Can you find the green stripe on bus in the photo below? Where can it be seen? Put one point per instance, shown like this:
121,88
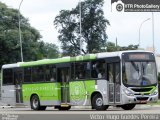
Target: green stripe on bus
58,60
151,91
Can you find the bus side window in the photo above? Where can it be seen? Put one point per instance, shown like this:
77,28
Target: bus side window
78,70
94,73
7,76
38,74
27,74
50,73
98,69
59,75
41,73
81,71
87,69
53,74
18,76
73,71
34,74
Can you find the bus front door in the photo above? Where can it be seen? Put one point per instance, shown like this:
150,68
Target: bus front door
114,82
63,77
18,75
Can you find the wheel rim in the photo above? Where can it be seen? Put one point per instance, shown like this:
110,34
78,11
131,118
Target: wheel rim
35,103
99,102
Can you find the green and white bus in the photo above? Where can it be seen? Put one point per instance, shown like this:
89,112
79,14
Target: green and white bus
122,79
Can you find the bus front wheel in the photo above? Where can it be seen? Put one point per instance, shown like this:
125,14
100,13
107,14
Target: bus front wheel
128,106
35,103
97,102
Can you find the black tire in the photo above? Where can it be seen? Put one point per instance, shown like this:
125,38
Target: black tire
35,103
97,102
128,106
63,108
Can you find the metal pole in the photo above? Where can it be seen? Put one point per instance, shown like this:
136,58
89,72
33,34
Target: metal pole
140,30
153,31
116,44
80,29
20,37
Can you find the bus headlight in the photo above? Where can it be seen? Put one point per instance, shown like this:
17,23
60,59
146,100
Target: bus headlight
154,92
128,92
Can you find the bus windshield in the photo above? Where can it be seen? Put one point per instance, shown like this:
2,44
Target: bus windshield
139,73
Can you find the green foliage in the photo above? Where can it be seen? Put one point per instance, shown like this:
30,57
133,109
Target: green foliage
93,32
67,25
111,47
9,39
130,47
49,51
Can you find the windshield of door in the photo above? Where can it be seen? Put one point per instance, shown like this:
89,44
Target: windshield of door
139,72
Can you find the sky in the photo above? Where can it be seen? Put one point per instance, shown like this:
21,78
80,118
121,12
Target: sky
123,25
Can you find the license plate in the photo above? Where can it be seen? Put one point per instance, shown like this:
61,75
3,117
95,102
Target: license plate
143,101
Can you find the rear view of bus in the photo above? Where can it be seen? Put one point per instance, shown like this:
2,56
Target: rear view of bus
139,79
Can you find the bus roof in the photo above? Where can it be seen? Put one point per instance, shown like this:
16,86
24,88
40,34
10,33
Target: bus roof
10,65
51,61
68,59
116,53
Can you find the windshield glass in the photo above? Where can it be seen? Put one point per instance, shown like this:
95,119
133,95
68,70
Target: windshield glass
139,73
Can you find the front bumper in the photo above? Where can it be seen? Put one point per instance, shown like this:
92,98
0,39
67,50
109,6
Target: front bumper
139,99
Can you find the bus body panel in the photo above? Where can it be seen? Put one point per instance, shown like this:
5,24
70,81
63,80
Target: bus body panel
80,92
102,87
8,94
48,93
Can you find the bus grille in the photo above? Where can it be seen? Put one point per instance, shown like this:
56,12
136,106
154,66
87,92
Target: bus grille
141,94
142,98
141,89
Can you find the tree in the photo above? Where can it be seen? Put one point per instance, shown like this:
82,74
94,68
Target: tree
66,24
111,47
49,51
9,38
130,47
93,26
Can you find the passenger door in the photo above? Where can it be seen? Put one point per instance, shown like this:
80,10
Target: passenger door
18,77
63,77
113,77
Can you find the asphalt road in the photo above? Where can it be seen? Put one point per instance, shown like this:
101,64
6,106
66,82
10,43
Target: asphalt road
140,112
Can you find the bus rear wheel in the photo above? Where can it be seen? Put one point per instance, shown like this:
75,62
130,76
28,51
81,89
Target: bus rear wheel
35,103
128,106
97,102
